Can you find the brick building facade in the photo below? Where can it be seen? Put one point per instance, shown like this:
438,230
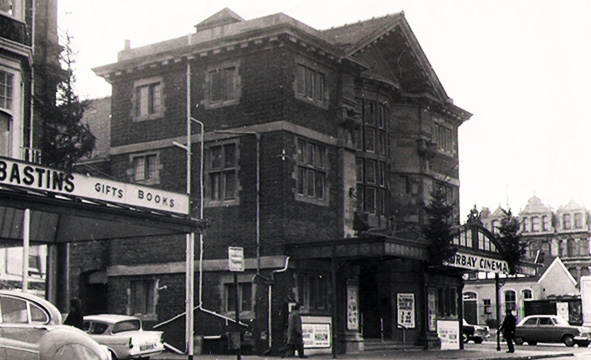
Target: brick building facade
320,149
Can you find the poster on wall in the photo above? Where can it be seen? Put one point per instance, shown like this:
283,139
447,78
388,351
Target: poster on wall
316,335
449,333
406,311
562,310
432,306
352,307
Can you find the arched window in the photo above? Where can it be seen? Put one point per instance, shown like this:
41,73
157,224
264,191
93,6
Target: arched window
510,299
470,295
527,294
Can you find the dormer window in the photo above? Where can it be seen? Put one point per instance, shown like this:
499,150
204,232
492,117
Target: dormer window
578,221
535,223
566,222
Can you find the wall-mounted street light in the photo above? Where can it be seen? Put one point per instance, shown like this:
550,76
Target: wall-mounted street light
258,187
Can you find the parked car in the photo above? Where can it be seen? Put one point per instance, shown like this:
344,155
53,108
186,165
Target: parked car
476,333
551,329
31,329
124,336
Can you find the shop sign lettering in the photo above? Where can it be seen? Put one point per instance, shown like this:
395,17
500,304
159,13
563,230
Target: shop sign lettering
35,177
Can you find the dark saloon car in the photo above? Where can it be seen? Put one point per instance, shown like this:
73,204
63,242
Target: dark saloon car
551,329
476,333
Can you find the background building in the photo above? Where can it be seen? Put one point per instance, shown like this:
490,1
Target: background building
28,47
558,241
320,149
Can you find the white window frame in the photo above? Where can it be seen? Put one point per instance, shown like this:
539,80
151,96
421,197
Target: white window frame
320,93
15,113
18,9
443,136
222,172
156,171
307,168
149,291
153,113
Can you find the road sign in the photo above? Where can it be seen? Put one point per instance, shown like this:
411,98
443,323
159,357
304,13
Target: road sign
236,258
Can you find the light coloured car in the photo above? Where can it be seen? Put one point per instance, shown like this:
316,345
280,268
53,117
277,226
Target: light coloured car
551,329
31,329
124,336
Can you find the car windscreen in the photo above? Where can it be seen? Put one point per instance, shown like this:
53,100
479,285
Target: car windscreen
127,325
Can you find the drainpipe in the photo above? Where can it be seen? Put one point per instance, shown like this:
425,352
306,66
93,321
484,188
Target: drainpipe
270,292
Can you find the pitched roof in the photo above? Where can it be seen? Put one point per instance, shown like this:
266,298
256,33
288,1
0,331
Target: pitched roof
222,17
351,35
535,206
571,206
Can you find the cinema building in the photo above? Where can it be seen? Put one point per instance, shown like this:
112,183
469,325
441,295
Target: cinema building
313,151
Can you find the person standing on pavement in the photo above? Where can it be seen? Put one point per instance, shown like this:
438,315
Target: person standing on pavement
75,317
508,329
295,340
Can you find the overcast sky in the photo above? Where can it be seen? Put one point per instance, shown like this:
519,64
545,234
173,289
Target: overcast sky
523,68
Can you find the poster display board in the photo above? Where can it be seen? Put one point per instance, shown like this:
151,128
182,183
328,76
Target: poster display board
316,332
352,308
406,310
449,333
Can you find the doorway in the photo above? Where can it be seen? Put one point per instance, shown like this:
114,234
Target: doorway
375,301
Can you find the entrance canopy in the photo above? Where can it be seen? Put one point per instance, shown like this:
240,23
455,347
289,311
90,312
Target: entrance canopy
73,207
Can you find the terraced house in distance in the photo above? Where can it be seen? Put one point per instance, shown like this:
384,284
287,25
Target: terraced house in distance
320,148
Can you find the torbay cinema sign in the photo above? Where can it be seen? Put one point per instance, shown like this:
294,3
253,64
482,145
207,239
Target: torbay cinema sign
477,263
34,177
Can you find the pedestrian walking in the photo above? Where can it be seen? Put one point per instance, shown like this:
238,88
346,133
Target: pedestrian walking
295,340
508,329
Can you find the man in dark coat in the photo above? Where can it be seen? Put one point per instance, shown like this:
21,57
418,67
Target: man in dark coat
295,340
508,329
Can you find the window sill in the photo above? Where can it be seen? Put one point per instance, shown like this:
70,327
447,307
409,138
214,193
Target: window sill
311,200
139,118
219,104
320,104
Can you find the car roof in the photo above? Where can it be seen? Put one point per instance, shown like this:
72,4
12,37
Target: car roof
110,318
54,313
541,316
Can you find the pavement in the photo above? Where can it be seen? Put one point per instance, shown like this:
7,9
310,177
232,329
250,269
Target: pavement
409,354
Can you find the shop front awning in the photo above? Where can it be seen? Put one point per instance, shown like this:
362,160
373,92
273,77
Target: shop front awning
62,220
70,207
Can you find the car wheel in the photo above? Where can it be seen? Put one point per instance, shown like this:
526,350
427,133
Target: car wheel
113,356
568,340
518,340
478,340
465,338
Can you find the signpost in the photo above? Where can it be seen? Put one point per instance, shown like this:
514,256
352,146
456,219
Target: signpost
236,264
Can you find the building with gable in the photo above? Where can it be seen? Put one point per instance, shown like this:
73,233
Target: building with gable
564,232
320,149
558,239
552,281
